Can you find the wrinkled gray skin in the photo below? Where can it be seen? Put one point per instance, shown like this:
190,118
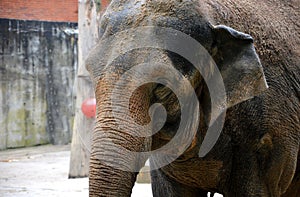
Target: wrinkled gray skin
256,154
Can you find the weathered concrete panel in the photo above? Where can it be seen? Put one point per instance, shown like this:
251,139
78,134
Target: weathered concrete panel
38,63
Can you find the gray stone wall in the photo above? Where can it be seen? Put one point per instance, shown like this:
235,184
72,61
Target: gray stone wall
38,64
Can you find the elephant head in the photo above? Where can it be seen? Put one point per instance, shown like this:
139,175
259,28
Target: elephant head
162,67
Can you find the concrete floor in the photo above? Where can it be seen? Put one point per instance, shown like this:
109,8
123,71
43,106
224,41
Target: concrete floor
43,171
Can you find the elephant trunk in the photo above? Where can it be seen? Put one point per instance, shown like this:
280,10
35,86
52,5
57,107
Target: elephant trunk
117,143
107,181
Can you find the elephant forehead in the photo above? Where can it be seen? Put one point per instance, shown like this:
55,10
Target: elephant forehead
180,15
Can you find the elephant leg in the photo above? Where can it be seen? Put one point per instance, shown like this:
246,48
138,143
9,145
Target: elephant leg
163,186
294,188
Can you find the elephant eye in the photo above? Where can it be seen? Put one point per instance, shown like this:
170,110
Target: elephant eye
266,140
265,144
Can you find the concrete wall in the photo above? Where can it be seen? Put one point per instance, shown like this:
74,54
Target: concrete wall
38,63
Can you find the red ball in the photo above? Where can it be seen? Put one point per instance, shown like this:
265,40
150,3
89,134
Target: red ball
88,107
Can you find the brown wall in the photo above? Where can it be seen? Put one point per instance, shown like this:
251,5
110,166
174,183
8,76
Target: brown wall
40,10
105,3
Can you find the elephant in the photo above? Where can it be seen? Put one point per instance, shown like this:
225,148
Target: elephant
155,102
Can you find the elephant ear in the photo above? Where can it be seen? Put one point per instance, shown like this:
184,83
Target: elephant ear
242,75
238,63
